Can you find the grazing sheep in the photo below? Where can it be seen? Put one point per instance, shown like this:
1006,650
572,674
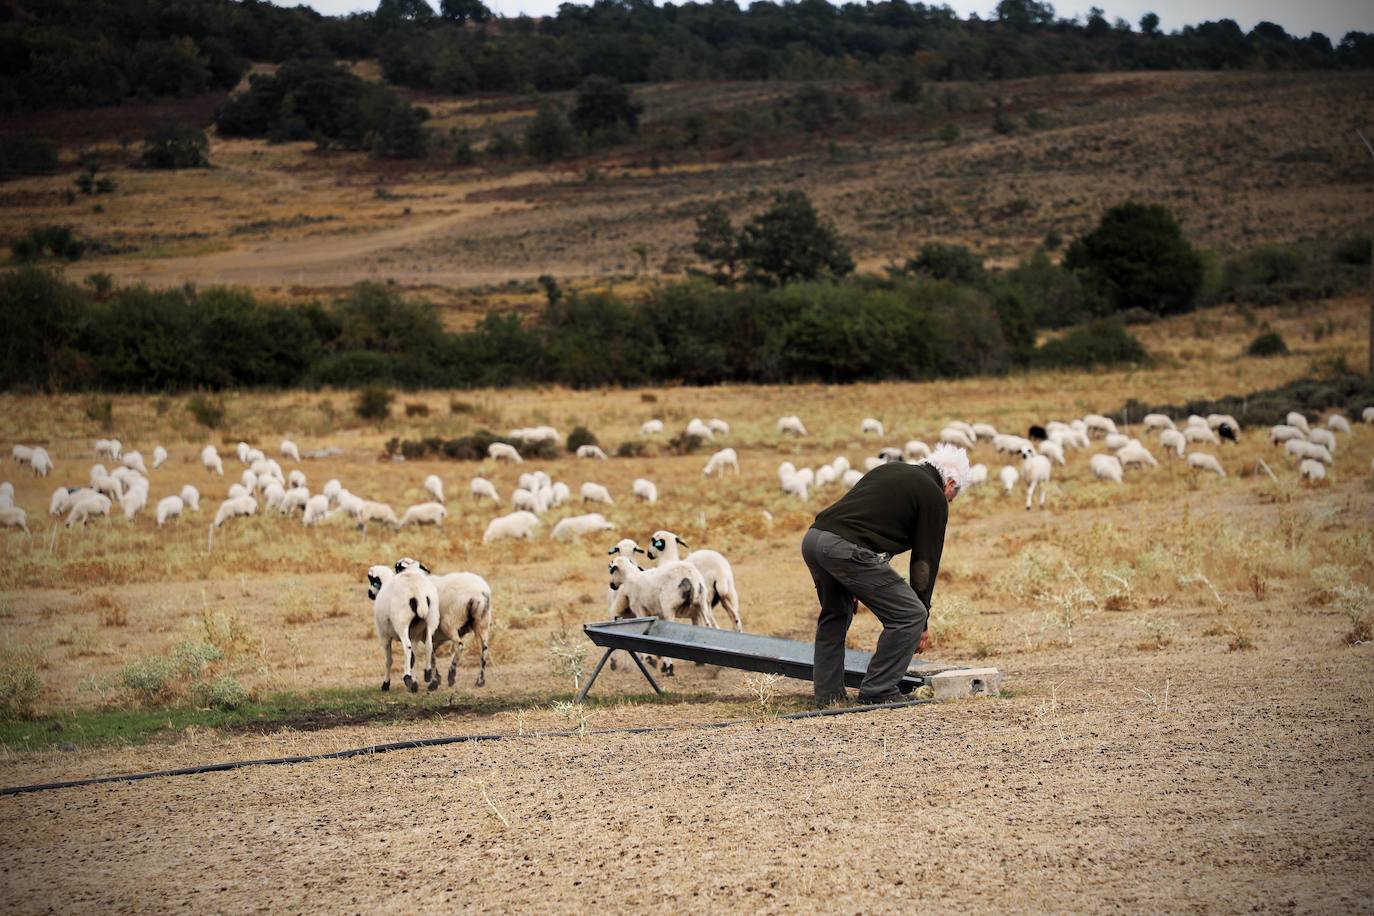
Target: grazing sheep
1338,423
235,507
977,475
88,504
159,456
1133,454
791,425
316,509
596,493
716,571
1312,471
796,485
464,607
825,475
331,490
1324,437
870,426
1205,462
40,462
984,431
58,505
12,516
1300,449
954,435
536,434
1173,440
272,494
1009,477
890,454
1367,415
1158,421
529,500
133,501
134,462
718,426
210,460
406,598
722,461
190,498
1194,433
108,448
849,478
288,450
242,450
1106,467
514,526
481,488
293,499
1284,433
1035,468
591,451
381,513
914,450
1096,423
169,507
1217,420
1052,449
237,489
501,451
1296,419
435,487
672,590
696,427
575,526
7,492
1113,441
646,490
296,479
651,427
424,514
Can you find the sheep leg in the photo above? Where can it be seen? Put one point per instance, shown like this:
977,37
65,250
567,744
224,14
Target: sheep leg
386,653
409,649
484,638
453,663
730,601
431,666
1042,496
1030,490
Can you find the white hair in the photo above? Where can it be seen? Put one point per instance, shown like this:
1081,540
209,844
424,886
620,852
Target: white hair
952,463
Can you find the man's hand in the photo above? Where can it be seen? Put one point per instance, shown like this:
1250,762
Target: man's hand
924,643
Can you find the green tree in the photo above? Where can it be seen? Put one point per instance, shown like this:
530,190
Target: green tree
717,244
790,241
549,136
1149,23
175,146
603,104
464,10
1138,258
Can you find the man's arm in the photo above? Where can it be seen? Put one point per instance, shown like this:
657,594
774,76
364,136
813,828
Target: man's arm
929,545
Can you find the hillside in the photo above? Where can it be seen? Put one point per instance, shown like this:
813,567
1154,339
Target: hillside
1241,158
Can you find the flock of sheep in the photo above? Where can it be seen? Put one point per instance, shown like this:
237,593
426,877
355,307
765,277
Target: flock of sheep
413,607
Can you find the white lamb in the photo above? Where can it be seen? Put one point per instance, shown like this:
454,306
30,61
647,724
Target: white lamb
559,493
1158,421
235,507
425,514
1284,433
1300,449
825,476
210,460
791,425
481,488
1036,470
159,456
89,504
331,490
169,507
1200,434
133,501
651,427
40,462
1205,462
435,487
873,461
377,512
840,464
1112,441
1173,440
464,607
668,591
288,450
108,448
272,494
596,493
134,461
403,600
1296,419
1367,415
575,526
1133,454
190,498
591,451
1338,423
11,516
1312,471
61,500
796,485
293,499
295,479
723,462
716,571
645,490
1010,477
316,509
982,431
1106,467
718,426
870,426
955,435
849,478
514,526
1218,420
1323,437
1096,423
501,451
696,427
914,450
1052,449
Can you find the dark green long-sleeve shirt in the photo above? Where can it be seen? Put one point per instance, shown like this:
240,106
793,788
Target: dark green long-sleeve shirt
894,508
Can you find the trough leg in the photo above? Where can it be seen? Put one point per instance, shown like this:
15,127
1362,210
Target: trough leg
645,670
582,694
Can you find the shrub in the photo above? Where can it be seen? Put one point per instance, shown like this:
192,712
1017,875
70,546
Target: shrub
1138,257
1102,343
207,412
19,687
1270,343
152,678
224,692
373,402
949,133
604,105
549,137
417,410
502,145
57,241
947,262
790,241
25,154
684,443
101,412
173,145
579,437
467,448
630,449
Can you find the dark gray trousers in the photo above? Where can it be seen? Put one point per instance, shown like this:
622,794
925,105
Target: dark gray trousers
844,572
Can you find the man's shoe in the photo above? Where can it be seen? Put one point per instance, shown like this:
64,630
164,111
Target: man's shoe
839,699
883,699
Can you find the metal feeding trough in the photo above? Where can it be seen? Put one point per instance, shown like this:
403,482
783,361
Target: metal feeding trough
746,651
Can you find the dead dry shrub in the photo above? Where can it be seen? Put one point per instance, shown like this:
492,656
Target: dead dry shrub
19,686
417,410
1158,633
110,611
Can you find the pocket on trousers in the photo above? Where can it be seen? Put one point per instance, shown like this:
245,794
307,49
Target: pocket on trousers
837,548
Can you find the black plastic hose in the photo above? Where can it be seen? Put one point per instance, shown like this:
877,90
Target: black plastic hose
429,742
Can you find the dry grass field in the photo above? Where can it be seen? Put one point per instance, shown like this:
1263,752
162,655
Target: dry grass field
1188,665
1240,158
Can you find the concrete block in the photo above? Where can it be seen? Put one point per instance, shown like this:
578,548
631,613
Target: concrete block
962,683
